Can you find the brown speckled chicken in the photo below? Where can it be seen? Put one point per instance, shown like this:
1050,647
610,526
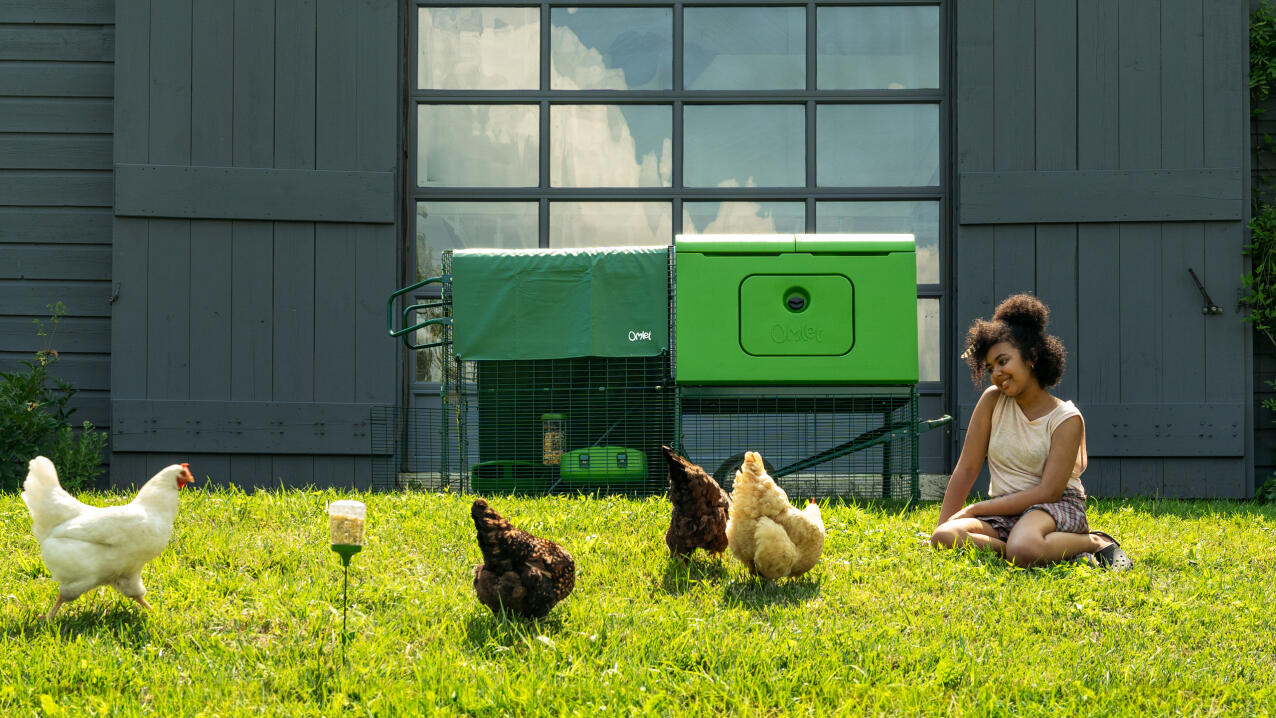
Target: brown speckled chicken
521,573
699,509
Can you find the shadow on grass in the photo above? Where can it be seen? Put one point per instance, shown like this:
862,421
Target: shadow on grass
681,576
125,625
486,629
754,593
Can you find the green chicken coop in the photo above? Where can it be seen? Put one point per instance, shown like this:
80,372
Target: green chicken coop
566,370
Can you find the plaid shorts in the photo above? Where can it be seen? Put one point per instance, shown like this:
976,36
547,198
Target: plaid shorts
1068,513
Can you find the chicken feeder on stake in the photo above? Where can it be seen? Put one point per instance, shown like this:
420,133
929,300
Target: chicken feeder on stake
345,531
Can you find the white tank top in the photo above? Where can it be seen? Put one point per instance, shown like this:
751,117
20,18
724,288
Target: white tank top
1017,447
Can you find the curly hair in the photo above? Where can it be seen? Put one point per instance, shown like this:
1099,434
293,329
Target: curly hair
1021,320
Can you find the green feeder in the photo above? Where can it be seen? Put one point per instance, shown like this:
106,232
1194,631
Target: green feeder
346,520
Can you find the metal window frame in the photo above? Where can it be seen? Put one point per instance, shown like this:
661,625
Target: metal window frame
677,98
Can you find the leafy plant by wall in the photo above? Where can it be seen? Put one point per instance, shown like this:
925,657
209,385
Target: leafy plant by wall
1259,302
35,420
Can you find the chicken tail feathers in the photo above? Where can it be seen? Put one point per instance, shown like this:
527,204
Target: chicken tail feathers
775,553
48,504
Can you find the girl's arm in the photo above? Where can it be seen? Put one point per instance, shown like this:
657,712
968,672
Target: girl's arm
973,452
1065,442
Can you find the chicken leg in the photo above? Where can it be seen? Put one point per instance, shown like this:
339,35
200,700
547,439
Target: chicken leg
53,611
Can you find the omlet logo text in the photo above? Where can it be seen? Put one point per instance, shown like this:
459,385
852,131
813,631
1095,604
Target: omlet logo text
781,334
639,336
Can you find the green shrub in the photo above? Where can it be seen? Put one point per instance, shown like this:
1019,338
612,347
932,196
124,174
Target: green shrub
35,421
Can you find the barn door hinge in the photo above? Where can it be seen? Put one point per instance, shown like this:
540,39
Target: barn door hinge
1210,307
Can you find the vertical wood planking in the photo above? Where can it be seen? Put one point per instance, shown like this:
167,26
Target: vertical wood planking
211,285
294,101
1056,149
132,80
1096,359
1139,84
212,87
336,127
379,67
337,253
1182,243
1014,80
1015,254
1057,286
294,245
252,329
973,250
374,279
1056,85
334,316
168,309
209,469
168,262
294,332
129,241
1014,118
1140,339
1225,129
254,89
334,471
1139,131
294,311
252,243
212,123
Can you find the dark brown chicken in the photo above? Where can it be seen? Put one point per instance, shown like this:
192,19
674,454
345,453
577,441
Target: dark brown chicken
523,574
699,509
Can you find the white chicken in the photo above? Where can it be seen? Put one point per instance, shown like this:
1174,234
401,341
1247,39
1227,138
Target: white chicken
86,546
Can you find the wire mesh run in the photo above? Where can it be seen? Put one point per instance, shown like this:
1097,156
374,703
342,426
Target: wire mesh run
862,445
587,424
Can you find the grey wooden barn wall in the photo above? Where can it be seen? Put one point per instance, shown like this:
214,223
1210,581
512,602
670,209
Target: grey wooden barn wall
55,188
254,237
1101,152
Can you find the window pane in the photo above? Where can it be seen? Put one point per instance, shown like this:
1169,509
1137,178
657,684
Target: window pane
744,48
928,339
460,225
610,224
877,145
877,48
921,219
743,217
610,145
744,146
478,145
611,48
428,362
478,48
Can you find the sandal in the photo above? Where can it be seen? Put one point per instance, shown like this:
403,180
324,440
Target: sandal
1111,556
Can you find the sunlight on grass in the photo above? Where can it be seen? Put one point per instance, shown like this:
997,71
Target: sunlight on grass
247,619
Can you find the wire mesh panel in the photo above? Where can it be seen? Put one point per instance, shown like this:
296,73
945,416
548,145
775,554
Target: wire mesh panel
815,445
409,449
592,424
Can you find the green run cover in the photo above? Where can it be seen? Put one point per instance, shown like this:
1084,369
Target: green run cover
560,303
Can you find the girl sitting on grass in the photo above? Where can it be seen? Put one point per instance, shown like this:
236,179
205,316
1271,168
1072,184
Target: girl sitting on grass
1035,446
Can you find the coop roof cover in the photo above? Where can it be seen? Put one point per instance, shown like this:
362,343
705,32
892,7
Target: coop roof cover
560,303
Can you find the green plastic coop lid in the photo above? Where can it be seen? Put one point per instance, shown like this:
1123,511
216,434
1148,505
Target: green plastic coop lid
854,243
734,243
560,303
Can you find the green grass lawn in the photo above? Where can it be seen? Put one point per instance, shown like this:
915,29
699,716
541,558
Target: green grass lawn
247,619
